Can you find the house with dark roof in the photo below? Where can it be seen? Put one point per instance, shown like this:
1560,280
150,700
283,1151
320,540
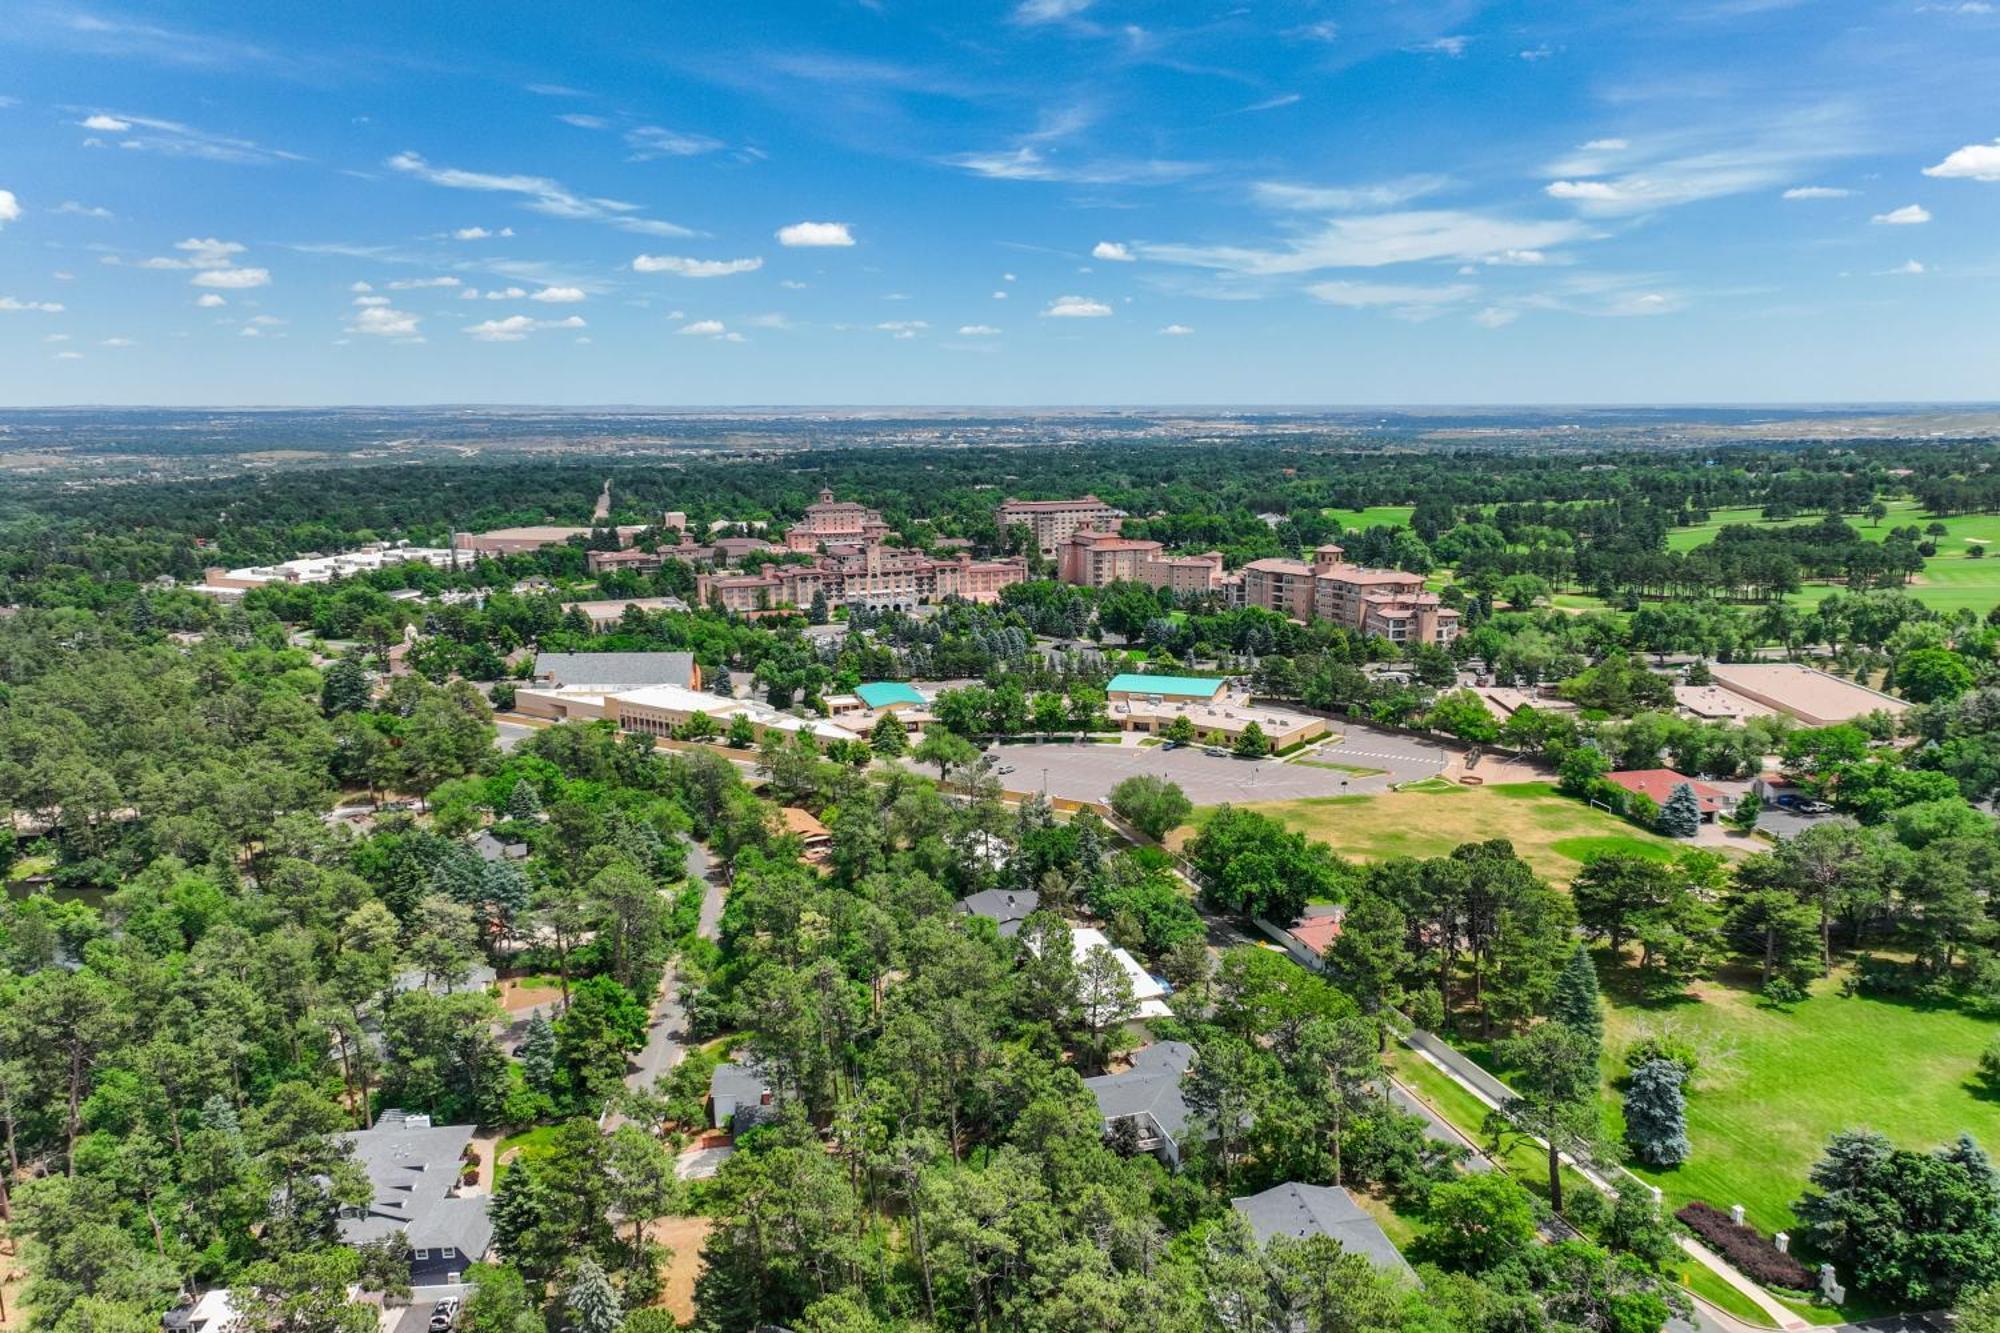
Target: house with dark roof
1304,1211
492,848
613,673
736,1094
1008,907
1148,1096
415,1168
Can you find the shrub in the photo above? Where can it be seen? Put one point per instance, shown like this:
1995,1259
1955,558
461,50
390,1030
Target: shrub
1664,1046
1744,1247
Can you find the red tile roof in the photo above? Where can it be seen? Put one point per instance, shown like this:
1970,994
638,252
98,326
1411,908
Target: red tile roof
1659,784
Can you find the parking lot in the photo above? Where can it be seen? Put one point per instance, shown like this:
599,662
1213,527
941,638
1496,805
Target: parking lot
1089,772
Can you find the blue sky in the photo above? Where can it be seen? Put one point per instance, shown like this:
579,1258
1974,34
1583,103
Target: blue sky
1027,202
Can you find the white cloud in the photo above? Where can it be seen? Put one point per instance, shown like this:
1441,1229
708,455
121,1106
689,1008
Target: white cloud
1909,215
362,287
1405,298
1516,259
145,134
694,268
372,300
55,337
999,296
117,342
10,207
46,307
1453,46
1176,331
209,301
268,321
69,356
1974,162
69,206
903,328
1049,11
1027,162
249,331
815,234
1494,317
651,141
1377,239
791,284
1607,145
558,295
1007,277
1076,307
1704,162
1343,199
232,279
383,322
507,294
977,331
702,327
1815,192
480,233
514,328
1908,267
419,284
583,122
202,252
1111,250
542,195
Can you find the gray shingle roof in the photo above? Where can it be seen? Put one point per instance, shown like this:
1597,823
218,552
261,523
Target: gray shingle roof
1152,1086
741,1081
1302,1211
624,669
414,1168
1007,906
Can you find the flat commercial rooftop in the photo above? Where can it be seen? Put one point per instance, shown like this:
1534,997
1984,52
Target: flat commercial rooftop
1187,687
1813,696
882,693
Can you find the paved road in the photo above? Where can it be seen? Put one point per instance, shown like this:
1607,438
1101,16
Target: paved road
511,734
668,1032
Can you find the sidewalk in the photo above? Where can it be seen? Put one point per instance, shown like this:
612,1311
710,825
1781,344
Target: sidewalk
1492,1092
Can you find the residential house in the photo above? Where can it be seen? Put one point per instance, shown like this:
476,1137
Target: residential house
1148,1096
1008,908
733,1088
1658,784
1303,1211
415,1168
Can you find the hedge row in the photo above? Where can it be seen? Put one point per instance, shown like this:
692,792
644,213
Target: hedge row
1749,1251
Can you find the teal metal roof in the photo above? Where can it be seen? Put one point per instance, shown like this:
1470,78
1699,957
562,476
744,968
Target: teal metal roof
1184,686
882,693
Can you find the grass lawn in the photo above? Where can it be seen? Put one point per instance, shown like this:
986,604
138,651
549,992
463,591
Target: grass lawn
1778,1083
536,1142
1355,770
1375,516
1552,832
30,866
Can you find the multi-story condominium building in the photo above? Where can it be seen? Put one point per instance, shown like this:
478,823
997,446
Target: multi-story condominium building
833,520
1093,559
1387,602
879,577
1053,522
1184,575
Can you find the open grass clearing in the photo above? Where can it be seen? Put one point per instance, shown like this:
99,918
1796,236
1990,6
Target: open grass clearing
1776,1083
529,1143
1375,516
1550,831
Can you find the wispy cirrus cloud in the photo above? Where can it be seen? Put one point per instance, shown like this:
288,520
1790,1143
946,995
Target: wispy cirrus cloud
171,138
1614,177
1378,239
1345,198
540,194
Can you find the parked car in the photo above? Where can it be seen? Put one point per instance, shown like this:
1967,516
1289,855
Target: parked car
1170,745
1004,769
444,1314
1814,808
1788,801
1215,750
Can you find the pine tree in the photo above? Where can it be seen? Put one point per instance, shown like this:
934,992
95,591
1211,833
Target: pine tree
720,683
1574,1002
1656,1114
1680,817
537,1054
818,613
591,1301
524,802
888,737
344,688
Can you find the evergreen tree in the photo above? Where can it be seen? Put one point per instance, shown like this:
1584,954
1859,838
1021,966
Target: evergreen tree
720,683
888,736
1574,1003
1252,743
344,688
591,1302
1656,1114
537,1054
524,802
1680,817
818,613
